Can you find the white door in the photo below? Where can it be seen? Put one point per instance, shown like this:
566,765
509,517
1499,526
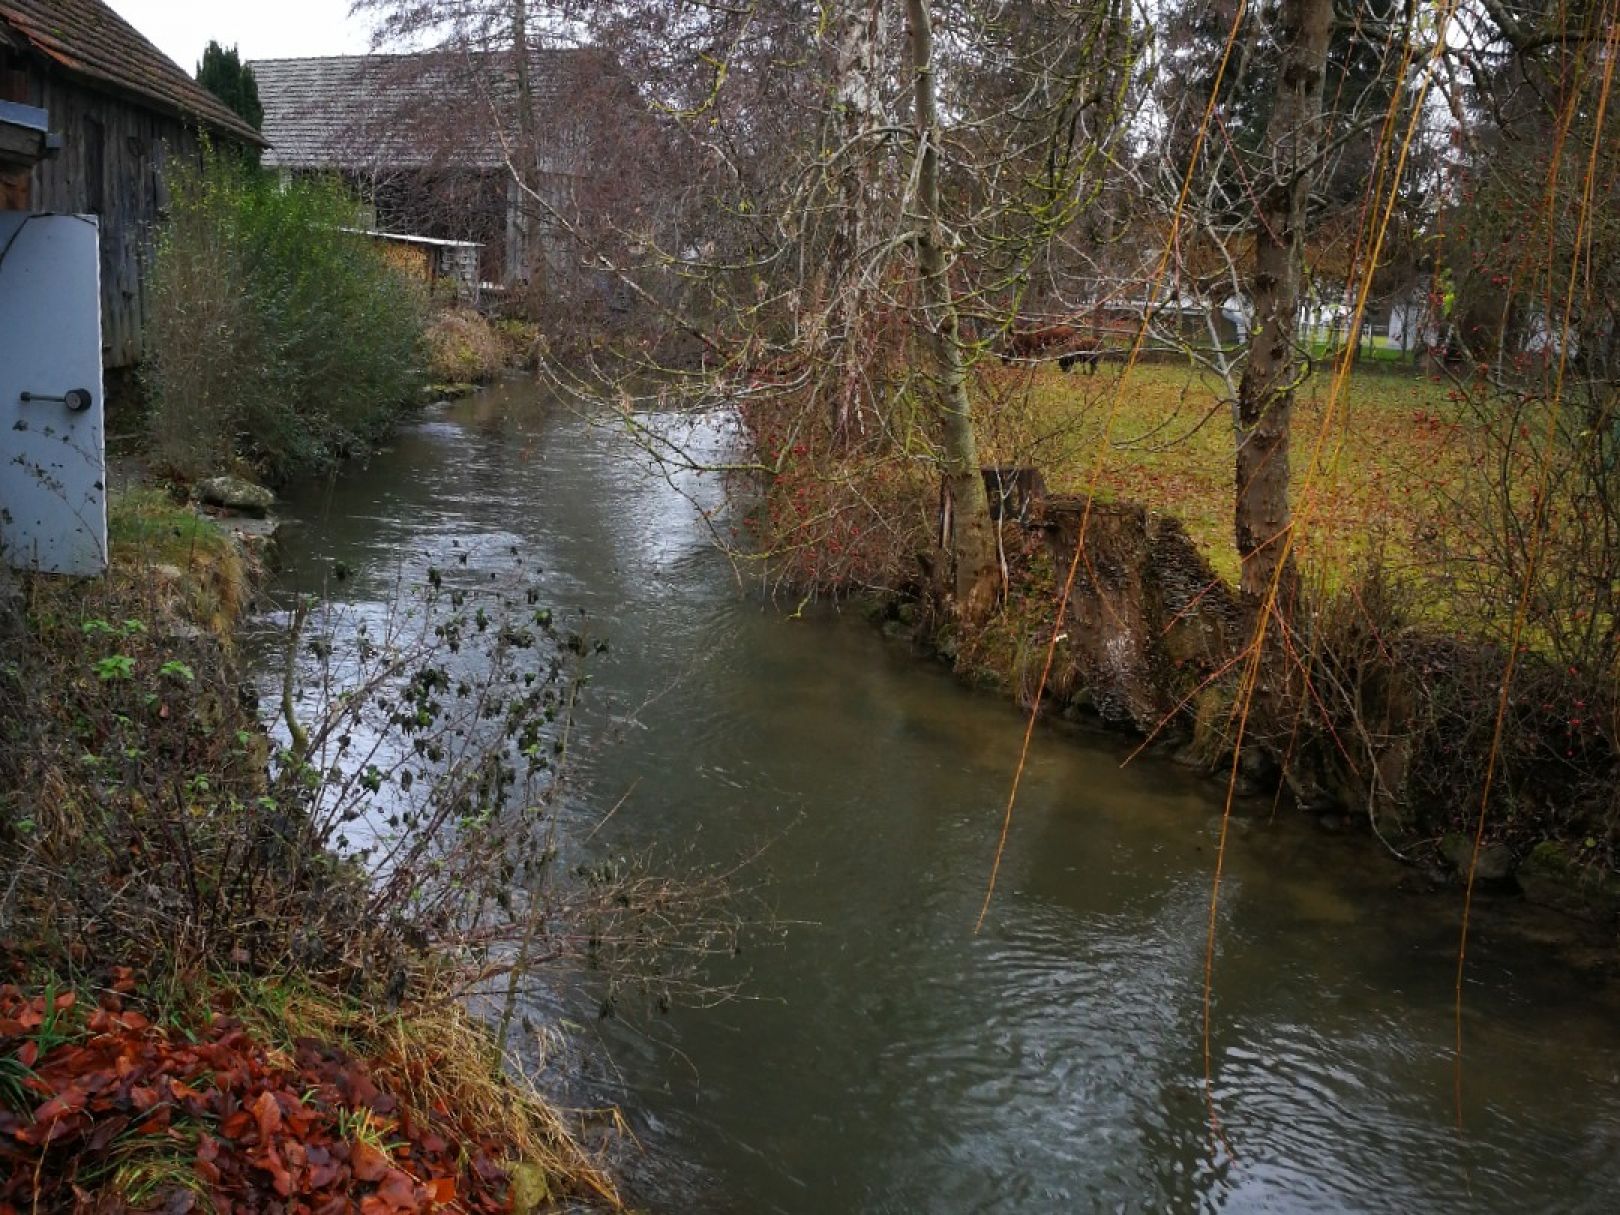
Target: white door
53,469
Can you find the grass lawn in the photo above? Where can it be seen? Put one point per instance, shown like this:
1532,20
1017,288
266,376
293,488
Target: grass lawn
1365,473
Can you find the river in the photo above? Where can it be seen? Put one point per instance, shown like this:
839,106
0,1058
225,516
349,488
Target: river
882,1057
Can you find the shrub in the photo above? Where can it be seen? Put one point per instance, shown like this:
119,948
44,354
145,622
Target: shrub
275,334
463,348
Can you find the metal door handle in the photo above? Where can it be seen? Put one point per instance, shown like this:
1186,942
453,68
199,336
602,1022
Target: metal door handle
76,399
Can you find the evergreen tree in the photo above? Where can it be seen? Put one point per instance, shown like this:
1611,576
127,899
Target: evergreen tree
222,74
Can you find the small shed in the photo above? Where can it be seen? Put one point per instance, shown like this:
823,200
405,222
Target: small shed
97,113
444,265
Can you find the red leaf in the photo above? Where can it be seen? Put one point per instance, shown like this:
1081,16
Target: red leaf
29,1054
236,1124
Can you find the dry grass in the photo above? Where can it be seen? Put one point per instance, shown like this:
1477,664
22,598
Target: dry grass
1390,447
176,559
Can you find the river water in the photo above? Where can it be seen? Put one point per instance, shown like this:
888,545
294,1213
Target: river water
883,1058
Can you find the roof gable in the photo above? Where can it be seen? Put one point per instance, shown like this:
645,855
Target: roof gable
398,112
90,41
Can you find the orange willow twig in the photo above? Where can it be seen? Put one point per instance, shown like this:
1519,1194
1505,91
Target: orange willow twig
1538,526
1102,454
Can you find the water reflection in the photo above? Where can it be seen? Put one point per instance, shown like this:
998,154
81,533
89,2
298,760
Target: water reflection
890,1061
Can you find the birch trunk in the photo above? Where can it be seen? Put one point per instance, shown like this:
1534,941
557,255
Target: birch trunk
973,540
1263,516
862,35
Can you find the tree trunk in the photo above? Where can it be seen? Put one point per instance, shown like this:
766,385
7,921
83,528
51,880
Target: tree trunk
530,262
862,35
973,540
1263,517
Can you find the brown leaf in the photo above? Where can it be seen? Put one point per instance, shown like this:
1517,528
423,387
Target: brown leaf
267,1113
69,1102
368,1163
271,1163
442,1189
399,1191
323,1174
106,1131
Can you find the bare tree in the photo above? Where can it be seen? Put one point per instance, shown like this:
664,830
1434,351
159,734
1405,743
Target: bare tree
972,535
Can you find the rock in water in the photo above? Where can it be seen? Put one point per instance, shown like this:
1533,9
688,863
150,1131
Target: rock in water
235,493
1495,860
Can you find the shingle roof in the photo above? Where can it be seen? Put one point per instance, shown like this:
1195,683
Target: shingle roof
89,40
389,112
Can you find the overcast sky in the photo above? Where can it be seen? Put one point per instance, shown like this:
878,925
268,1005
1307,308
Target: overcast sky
279,29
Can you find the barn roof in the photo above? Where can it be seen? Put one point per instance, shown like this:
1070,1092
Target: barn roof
391,112
87,39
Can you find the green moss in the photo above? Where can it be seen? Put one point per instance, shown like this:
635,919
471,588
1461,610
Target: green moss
150,525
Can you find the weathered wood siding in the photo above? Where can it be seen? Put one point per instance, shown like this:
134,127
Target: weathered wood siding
112,166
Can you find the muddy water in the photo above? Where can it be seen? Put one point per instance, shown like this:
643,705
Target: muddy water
885,1059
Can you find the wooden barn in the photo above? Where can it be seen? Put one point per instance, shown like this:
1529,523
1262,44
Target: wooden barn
91,113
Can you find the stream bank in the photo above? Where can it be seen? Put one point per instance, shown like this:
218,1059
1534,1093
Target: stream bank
1383,741
189,1015
886,1058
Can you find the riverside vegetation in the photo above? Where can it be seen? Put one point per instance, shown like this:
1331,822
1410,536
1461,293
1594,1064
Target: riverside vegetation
242,966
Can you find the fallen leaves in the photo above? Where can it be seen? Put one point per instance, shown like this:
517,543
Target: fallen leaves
258,1133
